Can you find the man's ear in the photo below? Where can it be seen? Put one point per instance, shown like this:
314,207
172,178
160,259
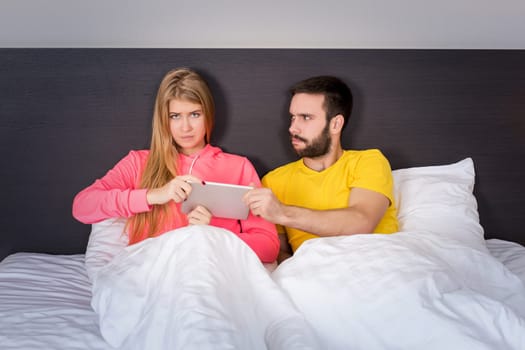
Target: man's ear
337,123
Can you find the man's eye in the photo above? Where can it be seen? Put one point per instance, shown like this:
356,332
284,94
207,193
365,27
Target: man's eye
307,117
293,117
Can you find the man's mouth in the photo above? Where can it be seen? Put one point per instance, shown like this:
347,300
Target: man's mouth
296,139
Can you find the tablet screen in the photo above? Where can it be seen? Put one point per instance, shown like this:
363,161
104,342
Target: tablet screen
221,199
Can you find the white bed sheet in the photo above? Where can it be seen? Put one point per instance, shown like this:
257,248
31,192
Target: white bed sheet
45,304
45,299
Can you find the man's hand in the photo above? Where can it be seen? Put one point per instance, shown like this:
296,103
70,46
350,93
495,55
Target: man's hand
262,202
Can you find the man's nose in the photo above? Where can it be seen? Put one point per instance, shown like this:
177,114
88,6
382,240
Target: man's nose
294,127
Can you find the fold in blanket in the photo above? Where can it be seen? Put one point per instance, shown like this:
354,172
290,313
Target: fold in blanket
201,287
198,287
409,290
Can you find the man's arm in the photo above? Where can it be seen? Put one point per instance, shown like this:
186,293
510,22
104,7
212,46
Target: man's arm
364,212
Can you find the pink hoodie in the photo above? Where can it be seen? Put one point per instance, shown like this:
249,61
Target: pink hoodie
116,195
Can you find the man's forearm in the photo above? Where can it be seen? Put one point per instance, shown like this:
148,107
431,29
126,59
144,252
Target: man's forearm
333,222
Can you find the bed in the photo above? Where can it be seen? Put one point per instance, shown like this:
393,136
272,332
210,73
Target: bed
451,122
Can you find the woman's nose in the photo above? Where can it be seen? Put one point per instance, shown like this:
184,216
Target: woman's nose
186,125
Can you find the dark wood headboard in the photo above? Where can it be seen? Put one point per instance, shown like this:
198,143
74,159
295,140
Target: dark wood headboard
68,115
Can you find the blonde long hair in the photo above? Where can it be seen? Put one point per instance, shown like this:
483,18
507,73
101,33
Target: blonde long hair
162,164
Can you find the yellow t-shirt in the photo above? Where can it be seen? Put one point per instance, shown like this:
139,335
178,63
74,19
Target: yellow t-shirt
296,184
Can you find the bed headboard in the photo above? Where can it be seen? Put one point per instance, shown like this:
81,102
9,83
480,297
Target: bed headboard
68,115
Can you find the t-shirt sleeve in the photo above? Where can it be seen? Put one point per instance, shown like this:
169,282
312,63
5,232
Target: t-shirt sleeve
372,172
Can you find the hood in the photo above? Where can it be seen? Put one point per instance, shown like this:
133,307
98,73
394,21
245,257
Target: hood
205,155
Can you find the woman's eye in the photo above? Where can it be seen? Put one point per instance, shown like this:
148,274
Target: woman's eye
195,115
174,116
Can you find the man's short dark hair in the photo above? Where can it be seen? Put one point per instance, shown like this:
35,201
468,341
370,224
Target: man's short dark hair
338,97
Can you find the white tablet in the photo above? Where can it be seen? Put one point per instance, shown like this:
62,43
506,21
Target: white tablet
222,200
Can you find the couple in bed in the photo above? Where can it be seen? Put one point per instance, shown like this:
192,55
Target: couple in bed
197,286
197,272
328,192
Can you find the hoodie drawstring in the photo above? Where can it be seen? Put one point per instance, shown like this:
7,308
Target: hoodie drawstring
193,163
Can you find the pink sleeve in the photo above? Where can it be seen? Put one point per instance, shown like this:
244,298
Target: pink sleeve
258,233
114,195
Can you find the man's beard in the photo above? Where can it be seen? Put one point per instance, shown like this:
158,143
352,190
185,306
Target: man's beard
317,147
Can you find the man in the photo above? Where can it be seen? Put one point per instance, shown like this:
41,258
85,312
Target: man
329,191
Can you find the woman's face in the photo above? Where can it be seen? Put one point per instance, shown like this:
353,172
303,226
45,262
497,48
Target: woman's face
187,125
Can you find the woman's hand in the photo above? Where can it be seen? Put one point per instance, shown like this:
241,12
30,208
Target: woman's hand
177,190
199,216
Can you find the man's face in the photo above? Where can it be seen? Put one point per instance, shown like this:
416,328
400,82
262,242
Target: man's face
309,129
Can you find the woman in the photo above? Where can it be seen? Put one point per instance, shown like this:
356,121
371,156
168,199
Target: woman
147,186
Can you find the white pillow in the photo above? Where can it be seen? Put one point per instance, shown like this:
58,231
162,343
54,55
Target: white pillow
107,239
439,199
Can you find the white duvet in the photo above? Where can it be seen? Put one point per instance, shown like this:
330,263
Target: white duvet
409,290
198,287
202,288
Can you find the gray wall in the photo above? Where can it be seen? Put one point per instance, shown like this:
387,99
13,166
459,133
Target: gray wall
453,24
